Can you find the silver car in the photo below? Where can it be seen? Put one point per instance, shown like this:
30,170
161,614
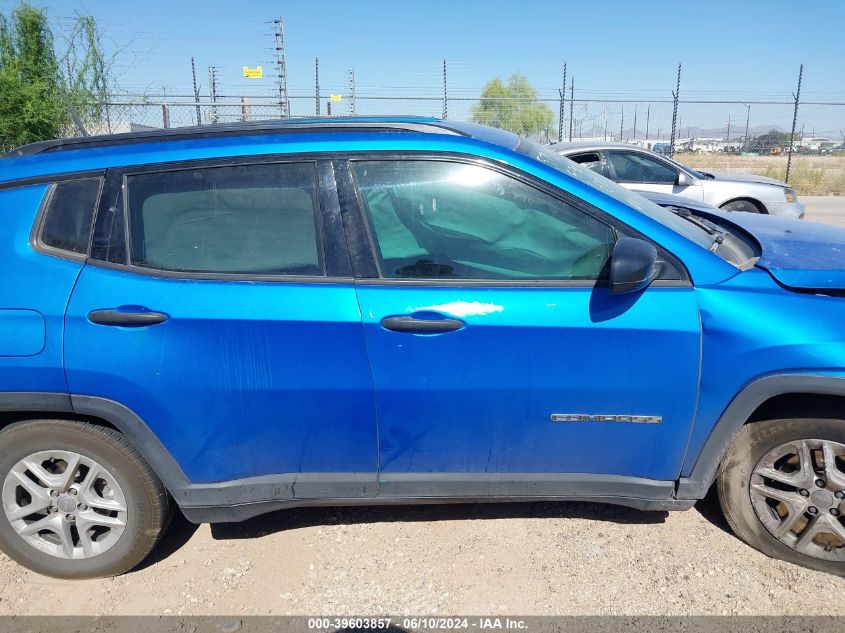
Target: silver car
637,168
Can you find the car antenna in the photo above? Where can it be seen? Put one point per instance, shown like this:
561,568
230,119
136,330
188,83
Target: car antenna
74,115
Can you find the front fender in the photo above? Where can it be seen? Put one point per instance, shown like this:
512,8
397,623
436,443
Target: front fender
703,473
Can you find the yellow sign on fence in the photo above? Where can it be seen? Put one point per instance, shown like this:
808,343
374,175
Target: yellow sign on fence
335,97
253,73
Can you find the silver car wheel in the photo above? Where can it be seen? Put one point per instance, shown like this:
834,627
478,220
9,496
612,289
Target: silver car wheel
64,504
798,493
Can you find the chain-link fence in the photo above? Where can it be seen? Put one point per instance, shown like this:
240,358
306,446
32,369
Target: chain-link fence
753,135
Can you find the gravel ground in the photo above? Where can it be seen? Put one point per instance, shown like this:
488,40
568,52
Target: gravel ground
520,559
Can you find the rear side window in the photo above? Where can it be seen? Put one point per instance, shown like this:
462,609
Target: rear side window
66,224
244,219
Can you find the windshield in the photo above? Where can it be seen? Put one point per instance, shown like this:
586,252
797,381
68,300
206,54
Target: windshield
689,230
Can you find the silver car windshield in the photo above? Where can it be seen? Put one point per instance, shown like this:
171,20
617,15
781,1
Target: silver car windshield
668,219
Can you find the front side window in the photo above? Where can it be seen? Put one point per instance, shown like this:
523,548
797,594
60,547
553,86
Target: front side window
636,167
69,213
442,219
244,219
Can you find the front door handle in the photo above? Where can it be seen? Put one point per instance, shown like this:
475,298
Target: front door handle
420,326
122,318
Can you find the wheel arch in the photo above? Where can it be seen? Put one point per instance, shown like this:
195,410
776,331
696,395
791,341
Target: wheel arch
21,406
770,397
757,203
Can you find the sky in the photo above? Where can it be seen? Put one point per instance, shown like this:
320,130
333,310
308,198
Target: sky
740,49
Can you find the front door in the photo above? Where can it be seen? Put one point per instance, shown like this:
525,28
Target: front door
496,357
219,324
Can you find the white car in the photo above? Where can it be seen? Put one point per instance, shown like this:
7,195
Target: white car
643,170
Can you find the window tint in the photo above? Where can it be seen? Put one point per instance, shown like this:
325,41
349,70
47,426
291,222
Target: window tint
247,219
452,220
591,161
69,213
636,167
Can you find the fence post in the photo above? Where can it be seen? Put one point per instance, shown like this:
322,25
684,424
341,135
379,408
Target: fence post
445,94
797,96
647,120
571,105
165,115
246,111
196,91
562,92
316,86
675,96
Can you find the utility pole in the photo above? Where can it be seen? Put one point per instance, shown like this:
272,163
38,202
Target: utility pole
622,125
729,129
747,119
445,94
350,80
571,105
562,102
212,89
675,95
635,120
647,120
316,86
196,91
797,96
281,68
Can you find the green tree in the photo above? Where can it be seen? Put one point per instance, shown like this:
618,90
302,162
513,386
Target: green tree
513,106
769,140
38,76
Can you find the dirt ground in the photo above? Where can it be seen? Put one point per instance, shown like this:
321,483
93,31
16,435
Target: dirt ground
492,559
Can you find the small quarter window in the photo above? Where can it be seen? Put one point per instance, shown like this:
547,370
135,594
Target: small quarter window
243,219
67,219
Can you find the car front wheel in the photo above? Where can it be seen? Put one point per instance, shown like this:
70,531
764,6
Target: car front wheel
744,206
782,489
78,500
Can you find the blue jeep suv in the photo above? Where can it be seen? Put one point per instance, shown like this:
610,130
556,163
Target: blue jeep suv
237,319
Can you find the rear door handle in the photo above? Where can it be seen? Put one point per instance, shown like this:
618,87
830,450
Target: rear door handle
420,326
139,318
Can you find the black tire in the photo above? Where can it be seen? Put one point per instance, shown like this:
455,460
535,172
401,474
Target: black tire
148,504
742,206
749,445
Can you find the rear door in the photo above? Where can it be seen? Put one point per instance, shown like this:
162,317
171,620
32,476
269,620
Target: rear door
217,306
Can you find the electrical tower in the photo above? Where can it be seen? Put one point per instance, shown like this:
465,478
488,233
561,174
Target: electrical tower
281,68
212,88
350,81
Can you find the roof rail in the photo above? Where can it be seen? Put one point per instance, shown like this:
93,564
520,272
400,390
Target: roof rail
215,130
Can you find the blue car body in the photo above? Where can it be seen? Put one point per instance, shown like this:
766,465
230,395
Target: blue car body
260,393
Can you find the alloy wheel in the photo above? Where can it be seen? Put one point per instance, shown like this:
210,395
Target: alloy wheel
798,492
64,504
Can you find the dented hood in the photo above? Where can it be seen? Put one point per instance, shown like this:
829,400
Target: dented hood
799,254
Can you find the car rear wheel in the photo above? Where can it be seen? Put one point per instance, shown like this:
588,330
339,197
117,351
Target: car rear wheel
78,501
745,206
782,489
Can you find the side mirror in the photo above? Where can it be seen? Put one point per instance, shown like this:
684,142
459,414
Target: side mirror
633,265
684,179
